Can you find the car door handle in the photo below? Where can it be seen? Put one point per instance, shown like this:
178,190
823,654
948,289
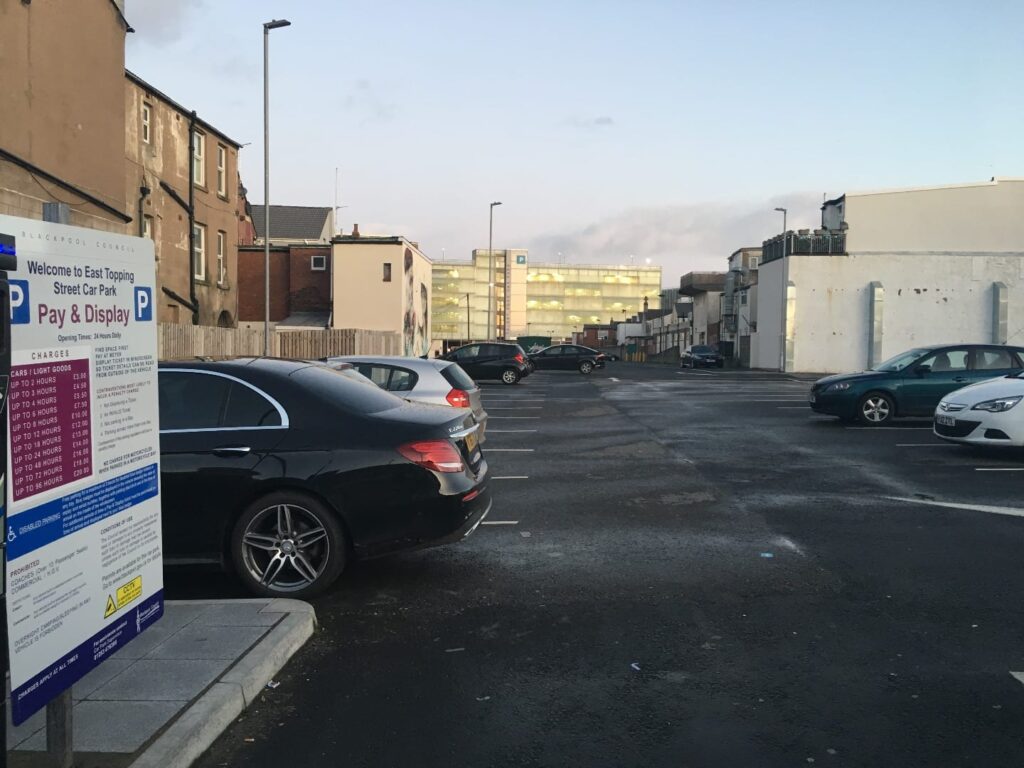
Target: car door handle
959,378
232,450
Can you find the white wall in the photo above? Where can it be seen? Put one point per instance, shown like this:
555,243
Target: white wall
628,331
765,353
928,299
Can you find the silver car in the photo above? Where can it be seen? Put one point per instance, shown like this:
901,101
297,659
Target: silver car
438,382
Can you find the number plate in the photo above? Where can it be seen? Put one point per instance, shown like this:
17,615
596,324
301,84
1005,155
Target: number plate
471,442
945,421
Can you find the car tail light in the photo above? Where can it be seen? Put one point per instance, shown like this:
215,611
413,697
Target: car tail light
458,398
438,455
519,358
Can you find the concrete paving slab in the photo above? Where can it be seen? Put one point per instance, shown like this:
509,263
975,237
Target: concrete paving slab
166,697
209,642
113,726
161,680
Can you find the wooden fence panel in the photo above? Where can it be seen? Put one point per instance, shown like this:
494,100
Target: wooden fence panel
181,342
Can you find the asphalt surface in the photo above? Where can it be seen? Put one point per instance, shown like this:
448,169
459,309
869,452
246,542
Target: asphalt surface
695,570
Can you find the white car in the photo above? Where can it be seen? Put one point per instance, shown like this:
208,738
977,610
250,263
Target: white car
987,413
438,382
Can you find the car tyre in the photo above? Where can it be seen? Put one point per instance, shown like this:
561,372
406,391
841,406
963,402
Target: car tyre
876,409
288,544
510,376
586,367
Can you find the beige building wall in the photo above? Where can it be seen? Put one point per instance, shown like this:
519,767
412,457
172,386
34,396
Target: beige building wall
62,92
383,284
165,157
984,217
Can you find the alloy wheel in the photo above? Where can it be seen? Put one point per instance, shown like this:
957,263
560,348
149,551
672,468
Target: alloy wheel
509,376
586,366
285,547
876,409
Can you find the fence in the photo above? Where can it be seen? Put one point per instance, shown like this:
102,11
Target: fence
180,342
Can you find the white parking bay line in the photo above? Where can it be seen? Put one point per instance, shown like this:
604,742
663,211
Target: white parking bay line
904,428
510,450
999,469
511,477
516,408
925,445
791,407
1013,511
1019,676
508,431
612,378
500,522
513,417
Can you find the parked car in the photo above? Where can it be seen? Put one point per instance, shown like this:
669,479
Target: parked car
283,471
913,382
438,382
701,356
985,413
501,360
568,357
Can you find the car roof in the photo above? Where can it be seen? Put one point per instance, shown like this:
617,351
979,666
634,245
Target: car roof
412,363
281,365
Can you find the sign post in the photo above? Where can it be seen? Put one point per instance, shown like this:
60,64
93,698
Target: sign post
83,564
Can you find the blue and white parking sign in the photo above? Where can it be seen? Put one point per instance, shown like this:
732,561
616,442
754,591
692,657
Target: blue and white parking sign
21,312
143,304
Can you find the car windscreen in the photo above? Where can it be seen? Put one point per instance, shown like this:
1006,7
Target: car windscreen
702,350
457,377
351,395
900,361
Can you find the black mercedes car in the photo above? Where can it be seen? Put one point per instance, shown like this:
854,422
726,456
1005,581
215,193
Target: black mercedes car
284,470
701,356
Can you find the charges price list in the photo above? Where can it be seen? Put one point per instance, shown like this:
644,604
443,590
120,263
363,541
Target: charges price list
50,424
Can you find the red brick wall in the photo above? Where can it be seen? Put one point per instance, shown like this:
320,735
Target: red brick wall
251,286
308,290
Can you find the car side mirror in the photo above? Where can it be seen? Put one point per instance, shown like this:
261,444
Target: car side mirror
923,370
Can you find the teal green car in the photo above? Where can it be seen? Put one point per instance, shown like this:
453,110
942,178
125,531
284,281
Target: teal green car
912,383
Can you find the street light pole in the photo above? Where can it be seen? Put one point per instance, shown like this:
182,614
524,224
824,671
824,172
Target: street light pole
785,293
267,26
469,336
491,297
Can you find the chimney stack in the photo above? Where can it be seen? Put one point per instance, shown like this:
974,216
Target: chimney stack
355,230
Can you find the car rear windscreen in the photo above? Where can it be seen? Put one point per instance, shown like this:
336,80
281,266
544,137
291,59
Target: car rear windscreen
350,395
457,377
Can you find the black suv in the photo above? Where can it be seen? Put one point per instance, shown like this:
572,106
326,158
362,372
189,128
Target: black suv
500,360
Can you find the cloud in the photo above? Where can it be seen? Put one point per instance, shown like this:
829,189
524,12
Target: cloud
363,99
160,22
680,238
592,123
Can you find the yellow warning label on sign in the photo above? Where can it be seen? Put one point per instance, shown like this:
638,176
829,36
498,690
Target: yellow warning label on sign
125,594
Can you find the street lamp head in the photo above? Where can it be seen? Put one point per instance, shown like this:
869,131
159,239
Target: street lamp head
276,24
494,204
781,210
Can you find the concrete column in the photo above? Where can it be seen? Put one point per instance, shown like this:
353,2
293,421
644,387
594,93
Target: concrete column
789,342
999,313
876,298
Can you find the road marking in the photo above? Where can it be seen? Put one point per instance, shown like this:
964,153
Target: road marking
508,431
1013,511
612,378
907,428
925,445
510,450
999,469
513,417
500,522
517,408
1019,676
791,407
511,477
693,373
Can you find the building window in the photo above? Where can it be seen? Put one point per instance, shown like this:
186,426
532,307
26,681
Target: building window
754,260
222,170
147,227
222,266
147,113
743,299
387,271
199,253
199,159
318,263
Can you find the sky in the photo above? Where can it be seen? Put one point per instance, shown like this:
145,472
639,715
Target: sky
659,130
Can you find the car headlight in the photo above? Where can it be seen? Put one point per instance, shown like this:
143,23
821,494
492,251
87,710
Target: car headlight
998,405
839,386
